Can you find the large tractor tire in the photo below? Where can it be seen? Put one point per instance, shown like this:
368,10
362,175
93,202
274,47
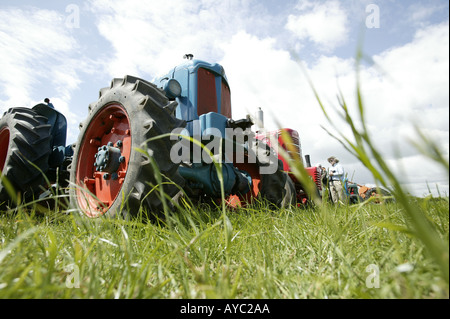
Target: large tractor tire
115,163
278,189
24,152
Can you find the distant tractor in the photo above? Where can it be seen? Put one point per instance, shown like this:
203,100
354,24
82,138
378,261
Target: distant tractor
137,149
358,193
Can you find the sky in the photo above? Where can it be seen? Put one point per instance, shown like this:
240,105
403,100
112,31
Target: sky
68,50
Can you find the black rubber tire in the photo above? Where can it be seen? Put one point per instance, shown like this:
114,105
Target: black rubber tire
277,188
150,115
29,141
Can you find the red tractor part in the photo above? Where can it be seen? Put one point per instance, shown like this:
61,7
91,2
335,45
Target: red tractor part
244,200
4,146
292,146
103,159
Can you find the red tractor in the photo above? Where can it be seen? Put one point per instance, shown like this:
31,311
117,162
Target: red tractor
289,141
139,148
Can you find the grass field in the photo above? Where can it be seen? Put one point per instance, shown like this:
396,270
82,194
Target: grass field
362,251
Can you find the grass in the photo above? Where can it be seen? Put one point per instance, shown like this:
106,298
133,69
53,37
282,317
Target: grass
393,250
291,253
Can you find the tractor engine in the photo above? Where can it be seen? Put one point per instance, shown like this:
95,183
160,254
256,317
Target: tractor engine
203,95
204,102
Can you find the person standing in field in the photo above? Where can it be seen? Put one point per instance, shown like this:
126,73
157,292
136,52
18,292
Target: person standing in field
336,178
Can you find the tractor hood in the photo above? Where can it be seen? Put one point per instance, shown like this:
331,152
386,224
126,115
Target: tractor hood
192,66
199,88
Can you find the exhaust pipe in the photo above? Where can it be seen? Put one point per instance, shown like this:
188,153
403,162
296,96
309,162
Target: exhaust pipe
259,118
307,161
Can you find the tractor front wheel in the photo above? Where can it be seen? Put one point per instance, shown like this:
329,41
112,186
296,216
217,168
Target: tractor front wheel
119,155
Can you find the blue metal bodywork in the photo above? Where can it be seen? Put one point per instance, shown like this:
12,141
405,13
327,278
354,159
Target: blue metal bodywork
187,75
205,124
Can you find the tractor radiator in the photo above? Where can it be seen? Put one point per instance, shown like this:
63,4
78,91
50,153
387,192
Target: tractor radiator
294,145
315,175
317,178
291,145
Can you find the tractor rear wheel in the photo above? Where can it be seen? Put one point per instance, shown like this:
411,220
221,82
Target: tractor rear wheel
24,152
116,158
277,188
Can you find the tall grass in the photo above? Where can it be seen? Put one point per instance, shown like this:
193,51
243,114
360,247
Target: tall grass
289,253
323,251
361,146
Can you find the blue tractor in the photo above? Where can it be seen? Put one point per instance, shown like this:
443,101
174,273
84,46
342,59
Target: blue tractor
137,148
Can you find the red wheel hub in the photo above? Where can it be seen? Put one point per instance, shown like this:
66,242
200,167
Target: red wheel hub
4,146
108,136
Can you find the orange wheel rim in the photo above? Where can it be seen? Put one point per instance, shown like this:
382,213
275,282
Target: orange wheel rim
109,129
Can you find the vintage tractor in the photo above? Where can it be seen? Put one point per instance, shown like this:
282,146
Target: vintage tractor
358,193
139,148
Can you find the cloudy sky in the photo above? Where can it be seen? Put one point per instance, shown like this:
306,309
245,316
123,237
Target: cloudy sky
68,50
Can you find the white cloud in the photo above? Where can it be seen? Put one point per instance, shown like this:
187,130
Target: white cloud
419,14
150,37
412,89
37,54
26,39
261,76
323,23
415,87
